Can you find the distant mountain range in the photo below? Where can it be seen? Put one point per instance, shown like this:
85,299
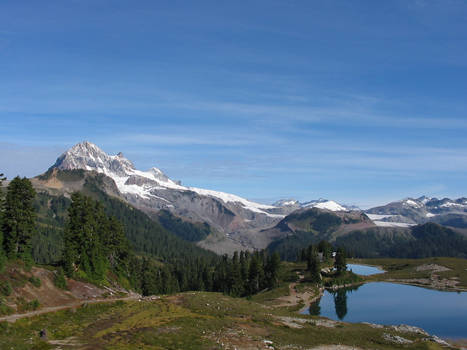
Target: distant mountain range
225,222
319,203
413,211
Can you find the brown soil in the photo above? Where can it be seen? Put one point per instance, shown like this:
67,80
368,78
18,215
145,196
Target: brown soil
49,296
297,298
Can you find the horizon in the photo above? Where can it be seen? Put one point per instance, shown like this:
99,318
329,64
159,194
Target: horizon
360,103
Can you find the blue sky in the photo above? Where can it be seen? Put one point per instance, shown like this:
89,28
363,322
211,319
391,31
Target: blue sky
359,101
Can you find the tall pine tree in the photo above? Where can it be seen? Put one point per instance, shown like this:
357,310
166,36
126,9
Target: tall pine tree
19,218
341,262
313,266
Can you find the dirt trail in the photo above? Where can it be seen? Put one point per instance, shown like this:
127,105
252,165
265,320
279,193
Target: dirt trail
14,317
295,298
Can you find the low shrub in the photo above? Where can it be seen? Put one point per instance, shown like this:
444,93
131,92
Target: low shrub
35,281
5,289
59,279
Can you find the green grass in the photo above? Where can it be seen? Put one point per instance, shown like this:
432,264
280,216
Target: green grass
196,320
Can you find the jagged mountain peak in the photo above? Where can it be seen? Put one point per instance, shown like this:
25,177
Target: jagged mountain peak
88,156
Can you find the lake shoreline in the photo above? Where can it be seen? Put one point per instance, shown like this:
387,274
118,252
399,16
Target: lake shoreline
434,284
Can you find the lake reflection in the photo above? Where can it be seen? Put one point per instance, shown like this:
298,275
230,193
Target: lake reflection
440,313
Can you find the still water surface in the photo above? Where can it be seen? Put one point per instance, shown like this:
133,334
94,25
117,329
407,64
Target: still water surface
441,313
364,270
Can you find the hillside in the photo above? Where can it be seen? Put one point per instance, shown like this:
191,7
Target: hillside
421,241
24,290
146,235
307,226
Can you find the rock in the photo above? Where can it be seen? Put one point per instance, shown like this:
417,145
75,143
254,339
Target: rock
43,334
396,339
409,329
435,339
432,267
373,325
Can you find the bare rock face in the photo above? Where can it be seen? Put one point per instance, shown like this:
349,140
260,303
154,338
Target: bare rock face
88,156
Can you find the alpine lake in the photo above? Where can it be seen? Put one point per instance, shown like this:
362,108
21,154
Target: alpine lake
440,313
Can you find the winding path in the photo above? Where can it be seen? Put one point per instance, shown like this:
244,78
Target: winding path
14,317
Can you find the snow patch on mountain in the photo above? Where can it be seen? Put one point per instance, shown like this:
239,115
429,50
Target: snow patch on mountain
392,224
319,203
412,203
227,197
378,216
329,205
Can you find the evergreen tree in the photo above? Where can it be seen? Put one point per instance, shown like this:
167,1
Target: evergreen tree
235,277
314,267
340,263
19,218
116,245
272,270
254,275
326,248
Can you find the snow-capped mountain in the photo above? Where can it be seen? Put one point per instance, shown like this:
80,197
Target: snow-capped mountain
318,203
153,190
412,211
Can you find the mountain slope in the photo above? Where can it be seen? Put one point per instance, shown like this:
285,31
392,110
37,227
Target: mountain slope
306,226
146,235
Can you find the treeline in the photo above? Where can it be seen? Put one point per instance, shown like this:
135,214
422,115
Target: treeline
241,275
95,245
